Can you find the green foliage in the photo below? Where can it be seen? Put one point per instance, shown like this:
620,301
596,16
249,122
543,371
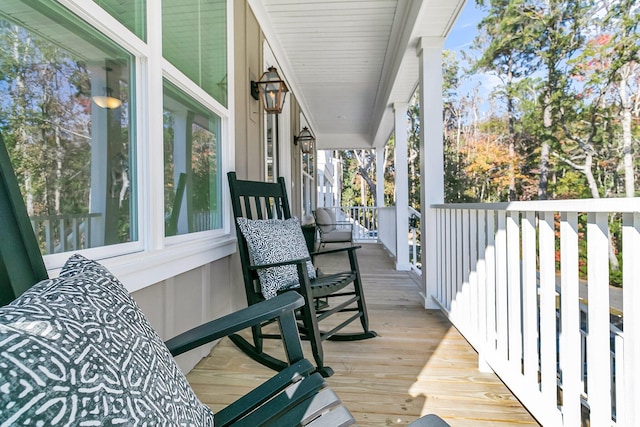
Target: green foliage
570,184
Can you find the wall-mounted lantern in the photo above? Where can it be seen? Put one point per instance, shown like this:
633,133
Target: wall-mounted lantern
306,140
272,89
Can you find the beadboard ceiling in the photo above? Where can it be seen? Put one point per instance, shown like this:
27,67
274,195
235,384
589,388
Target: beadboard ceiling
348,61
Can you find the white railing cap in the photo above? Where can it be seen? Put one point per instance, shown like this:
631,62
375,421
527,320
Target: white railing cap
622,204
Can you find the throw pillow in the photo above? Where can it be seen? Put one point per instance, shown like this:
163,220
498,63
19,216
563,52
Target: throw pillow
77,350
274,240
324,221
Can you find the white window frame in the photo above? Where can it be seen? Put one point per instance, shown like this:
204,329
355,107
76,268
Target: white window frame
154,258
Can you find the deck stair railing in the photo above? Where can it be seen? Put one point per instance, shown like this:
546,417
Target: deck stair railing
510,277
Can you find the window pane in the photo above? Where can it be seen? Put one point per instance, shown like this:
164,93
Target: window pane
130,13
191,165
73,159
194,40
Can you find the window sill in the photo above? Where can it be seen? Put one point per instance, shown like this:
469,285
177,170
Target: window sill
138,270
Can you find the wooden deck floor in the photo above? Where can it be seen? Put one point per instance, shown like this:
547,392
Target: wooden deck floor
419,364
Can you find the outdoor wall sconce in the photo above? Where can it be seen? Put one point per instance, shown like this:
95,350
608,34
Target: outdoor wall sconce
107,100
272,89
306,140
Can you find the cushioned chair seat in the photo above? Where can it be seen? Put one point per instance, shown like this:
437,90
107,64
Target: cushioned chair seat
337,236
332,230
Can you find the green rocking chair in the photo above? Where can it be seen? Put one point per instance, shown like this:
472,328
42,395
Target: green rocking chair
336,299
35,312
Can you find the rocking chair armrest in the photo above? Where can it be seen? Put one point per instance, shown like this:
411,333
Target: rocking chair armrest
332,251
234,322
279,264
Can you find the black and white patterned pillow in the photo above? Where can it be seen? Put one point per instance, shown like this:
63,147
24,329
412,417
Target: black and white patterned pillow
274,240
77,350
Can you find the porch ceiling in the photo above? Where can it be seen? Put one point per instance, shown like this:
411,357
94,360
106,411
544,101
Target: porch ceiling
348,61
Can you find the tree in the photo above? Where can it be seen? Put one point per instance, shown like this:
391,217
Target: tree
509,53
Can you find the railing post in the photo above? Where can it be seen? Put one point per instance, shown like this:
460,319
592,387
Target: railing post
429,53
402,186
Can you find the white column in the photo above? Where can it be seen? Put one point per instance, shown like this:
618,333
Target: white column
402,186
431,158
380,177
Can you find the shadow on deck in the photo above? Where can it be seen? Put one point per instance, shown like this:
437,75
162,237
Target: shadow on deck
419,364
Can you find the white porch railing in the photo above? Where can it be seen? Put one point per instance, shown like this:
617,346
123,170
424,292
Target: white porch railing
61,233
363,218
503,288
414,250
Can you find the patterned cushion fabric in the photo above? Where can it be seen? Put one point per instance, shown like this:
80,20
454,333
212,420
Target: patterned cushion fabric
76,350
274,240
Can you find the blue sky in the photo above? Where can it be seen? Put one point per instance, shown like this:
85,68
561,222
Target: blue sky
461,38
465,29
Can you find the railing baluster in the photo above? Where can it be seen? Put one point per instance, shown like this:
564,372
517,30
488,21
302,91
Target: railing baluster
502,302
473,273
481,305
448,250
570,320
62,235
464,295
75,236
598,343
440,214
48,236
456,302
529,300
514,291
548,325
491,281
631,302
618,369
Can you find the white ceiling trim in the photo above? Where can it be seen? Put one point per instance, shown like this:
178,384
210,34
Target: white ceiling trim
347,62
